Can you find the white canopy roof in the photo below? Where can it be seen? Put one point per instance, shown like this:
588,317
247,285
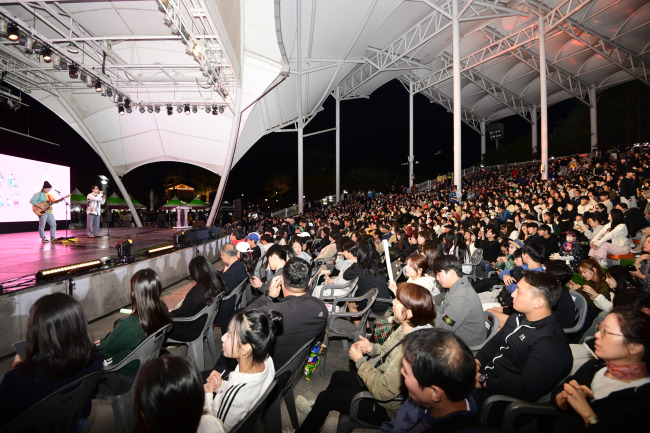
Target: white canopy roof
349,49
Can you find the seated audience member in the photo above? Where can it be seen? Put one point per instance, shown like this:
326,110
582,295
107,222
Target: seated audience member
149,314
517,361
348,249
207,285
253,239
415,270
413,308
277,256
612,239
595,281
234,273
249,340
642,264
460,311
370,273
59,350
532,256
611,393
169,398
570,251
439,373
300,245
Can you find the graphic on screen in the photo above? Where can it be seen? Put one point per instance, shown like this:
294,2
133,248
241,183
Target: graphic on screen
21,178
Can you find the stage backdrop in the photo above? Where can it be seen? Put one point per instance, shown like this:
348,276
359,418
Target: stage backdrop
21,178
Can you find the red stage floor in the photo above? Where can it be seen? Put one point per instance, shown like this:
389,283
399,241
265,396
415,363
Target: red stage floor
24,254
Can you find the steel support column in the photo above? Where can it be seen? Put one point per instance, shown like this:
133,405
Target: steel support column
411,157
543,104
533,129
593,118
300,119
482,139
338,147
230,153
456,92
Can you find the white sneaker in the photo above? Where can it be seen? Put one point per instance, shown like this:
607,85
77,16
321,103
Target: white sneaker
304,405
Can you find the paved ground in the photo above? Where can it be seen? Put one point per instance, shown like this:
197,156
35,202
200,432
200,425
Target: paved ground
101,419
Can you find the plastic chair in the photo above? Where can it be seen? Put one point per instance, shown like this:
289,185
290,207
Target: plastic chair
350,285
475,261
248,423
351,420
516,408
237,294
340,324
196,346
286,376
123,403
492,327
246,296
60,410
581,313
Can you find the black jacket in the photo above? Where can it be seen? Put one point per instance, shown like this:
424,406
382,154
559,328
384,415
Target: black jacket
621,411
526,360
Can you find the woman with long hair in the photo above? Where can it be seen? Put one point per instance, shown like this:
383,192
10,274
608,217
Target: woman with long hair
206,286
595,284
370,274
250,339
611,393
413,307
59,350
166,387
149,314
612,238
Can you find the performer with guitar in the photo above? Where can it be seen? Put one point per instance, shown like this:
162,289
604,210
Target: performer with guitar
42,202
95,201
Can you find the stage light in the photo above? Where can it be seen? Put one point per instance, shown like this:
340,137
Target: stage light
179,238
187,109
109,92
72,48
3,27
123,248
127,103
194,109
221,109
56,61
29,45
156,109
179,109
67,270
149,109
98,86
120,98
215,110
129,109
142,109
170,110
12,32
46,52
207,109
162,249
73,72
120,109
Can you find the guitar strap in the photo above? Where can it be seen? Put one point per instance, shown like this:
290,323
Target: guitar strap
51,200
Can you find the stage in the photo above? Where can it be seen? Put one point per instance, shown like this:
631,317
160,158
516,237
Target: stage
101,291
24,254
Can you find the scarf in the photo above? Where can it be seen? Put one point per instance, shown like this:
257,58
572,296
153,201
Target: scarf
627,372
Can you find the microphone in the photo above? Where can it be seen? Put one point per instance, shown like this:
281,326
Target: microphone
57,191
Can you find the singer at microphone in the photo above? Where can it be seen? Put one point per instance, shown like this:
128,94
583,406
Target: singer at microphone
95,201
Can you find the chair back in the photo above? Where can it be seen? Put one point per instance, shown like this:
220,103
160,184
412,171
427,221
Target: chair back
245,296
580,305
248,423
236,292
351,285
59,411
355,331
147,350
211,311
491,327
291,369
477,256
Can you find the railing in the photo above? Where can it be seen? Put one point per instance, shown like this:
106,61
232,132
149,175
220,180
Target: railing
286,212
473,169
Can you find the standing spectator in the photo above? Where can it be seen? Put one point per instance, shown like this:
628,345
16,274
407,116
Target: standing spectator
94,210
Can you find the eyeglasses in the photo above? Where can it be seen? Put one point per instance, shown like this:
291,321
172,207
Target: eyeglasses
604,332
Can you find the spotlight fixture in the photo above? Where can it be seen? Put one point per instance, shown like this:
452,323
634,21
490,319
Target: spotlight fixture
221,109
72,48
46,52
104,89
194,109
120,109
73,72
120,98
207,109
98,86
29,45
12,32
179,109
123,248
56,61
149,109
170,110
161,249
187,109
215,110
67,270
142,109
179,238
3,27
109,92
129,109
156,109
127,103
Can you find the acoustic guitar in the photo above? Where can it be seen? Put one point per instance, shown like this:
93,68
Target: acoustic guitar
41,208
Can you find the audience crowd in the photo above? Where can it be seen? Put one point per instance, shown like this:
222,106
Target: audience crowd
556,263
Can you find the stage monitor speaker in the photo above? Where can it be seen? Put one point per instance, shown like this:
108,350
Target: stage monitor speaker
198,234
215,232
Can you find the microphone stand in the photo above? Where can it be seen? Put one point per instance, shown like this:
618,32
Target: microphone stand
108,213
67,215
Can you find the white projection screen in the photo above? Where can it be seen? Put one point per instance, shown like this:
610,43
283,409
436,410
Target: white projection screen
21,178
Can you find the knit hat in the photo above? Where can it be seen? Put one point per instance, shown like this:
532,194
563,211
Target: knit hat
46,184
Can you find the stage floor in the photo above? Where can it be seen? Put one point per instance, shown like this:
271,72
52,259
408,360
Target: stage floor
24,254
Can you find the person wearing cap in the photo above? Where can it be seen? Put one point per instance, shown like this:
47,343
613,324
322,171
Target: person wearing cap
39,199
253,239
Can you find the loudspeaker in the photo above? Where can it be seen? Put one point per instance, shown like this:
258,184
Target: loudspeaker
215,232
198,234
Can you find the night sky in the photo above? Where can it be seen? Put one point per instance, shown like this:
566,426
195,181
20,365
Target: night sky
374,133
